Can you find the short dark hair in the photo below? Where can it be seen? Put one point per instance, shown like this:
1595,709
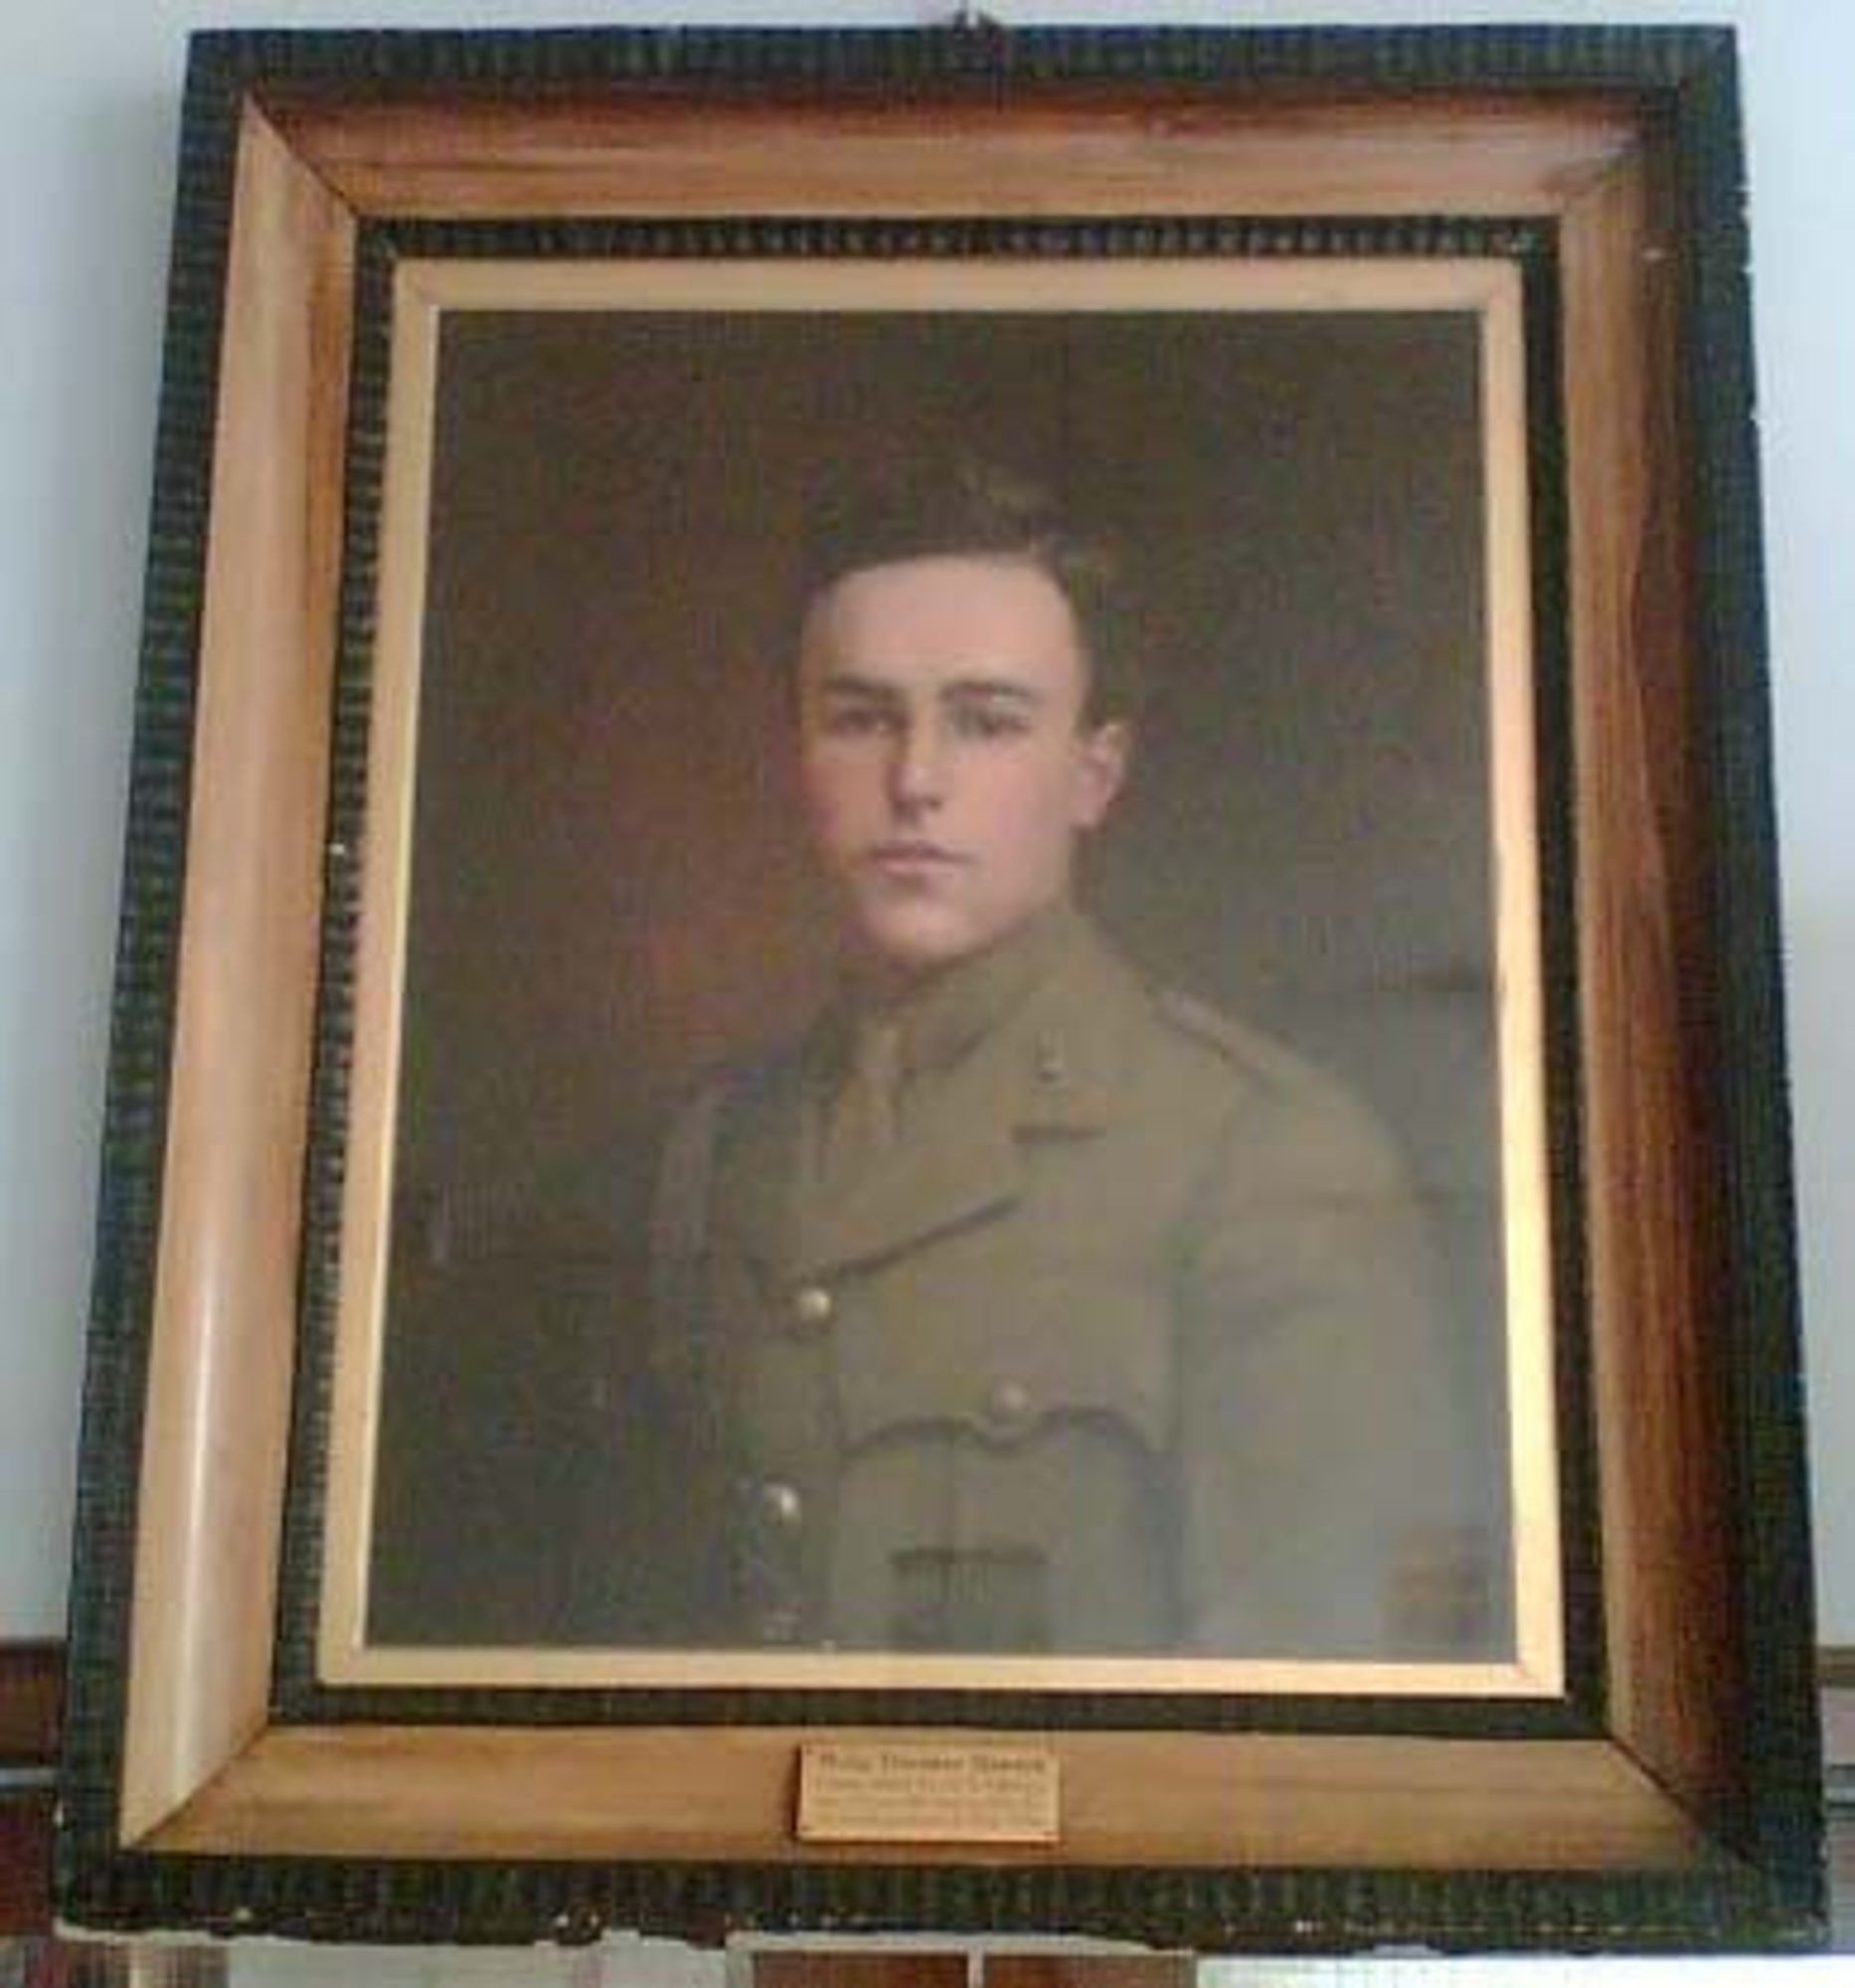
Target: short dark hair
923,507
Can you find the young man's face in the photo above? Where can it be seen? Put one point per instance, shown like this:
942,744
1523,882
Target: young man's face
946,765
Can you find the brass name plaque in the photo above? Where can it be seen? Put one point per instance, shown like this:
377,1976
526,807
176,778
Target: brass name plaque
876,1791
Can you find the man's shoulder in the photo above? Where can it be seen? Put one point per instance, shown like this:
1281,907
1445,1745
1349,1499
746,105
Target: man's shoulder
732,1126
743,1090
1203,1042
1221,1038
1270,1098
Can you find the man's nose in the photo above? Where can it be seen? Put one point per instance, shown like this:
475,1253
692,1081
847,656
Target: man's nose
917,775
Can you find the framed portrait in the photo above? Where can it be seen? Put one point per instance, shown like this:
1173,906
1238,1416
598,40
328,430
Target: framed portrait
948,1083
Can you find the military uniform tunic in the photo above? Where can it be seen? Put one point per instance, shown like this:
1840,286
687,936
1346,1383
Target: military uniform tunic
1102,1330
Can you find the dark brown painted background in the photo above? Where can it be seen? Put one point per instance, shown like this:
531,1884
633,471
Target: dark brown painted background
610,897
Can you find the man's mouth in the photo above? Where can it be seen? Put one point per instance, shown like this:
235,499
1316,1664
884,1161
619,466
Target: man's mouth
907,858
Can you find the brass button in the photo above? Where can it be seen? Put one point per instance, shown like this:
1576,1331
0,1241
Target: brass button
812,1306
1009,1408
780,1503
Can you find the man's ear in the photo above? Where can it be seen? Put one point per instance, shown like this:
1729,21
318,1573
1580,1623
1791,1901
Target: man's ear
1101,756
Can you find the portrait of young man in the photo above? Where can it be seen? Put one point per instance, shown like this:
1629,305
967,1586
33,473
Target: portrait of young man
1021,1305
948,1100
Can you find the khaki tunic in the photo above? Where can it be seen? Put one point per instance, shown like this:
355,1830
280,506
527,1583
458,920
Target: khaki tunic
1104,1331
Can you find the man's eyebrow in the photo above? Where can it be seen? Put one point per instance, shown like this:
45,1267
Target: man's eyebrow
847,683
993,690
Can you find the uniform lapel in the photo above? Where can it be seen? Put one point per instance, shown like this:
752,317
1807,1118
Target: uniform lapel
1047,1068
957,1161
755,1197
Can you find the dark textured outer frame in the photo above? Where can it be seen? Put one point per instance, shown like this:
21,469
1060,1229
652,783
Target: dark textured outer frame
1770,1892
147,958
1761,1309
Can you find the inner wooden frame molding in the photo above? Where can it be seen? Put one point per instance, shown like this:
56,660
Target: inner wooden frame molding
1661,1784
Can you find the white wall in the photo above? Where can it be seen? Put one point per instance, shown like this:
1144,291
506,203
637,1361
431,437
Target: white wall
89,99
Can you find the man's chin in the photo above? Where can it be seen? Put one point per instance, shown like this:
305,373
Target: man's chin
910,948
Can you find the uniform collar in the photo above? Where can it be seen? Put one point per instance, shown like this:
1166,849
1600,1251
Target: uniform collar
942,1018
1071,1047
1031,1040
1044,1016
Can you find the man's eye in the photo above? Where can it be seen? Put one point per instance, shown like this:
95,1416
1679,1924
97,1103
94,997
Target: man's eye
855,720
990,721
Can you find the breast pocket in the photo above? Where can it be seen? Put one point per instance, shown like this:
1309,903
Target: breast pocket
1005,1479
1005,1353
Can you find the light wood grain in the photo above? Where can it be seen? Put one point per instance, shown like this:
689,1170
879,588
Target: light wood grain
1145,153
1535,1550
1128,1799
212,1482
379,981
903,283
1651,1150
347,1660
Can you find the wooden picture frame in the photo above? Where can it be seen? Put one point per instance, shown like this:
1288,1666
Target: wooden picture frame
1660,1789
